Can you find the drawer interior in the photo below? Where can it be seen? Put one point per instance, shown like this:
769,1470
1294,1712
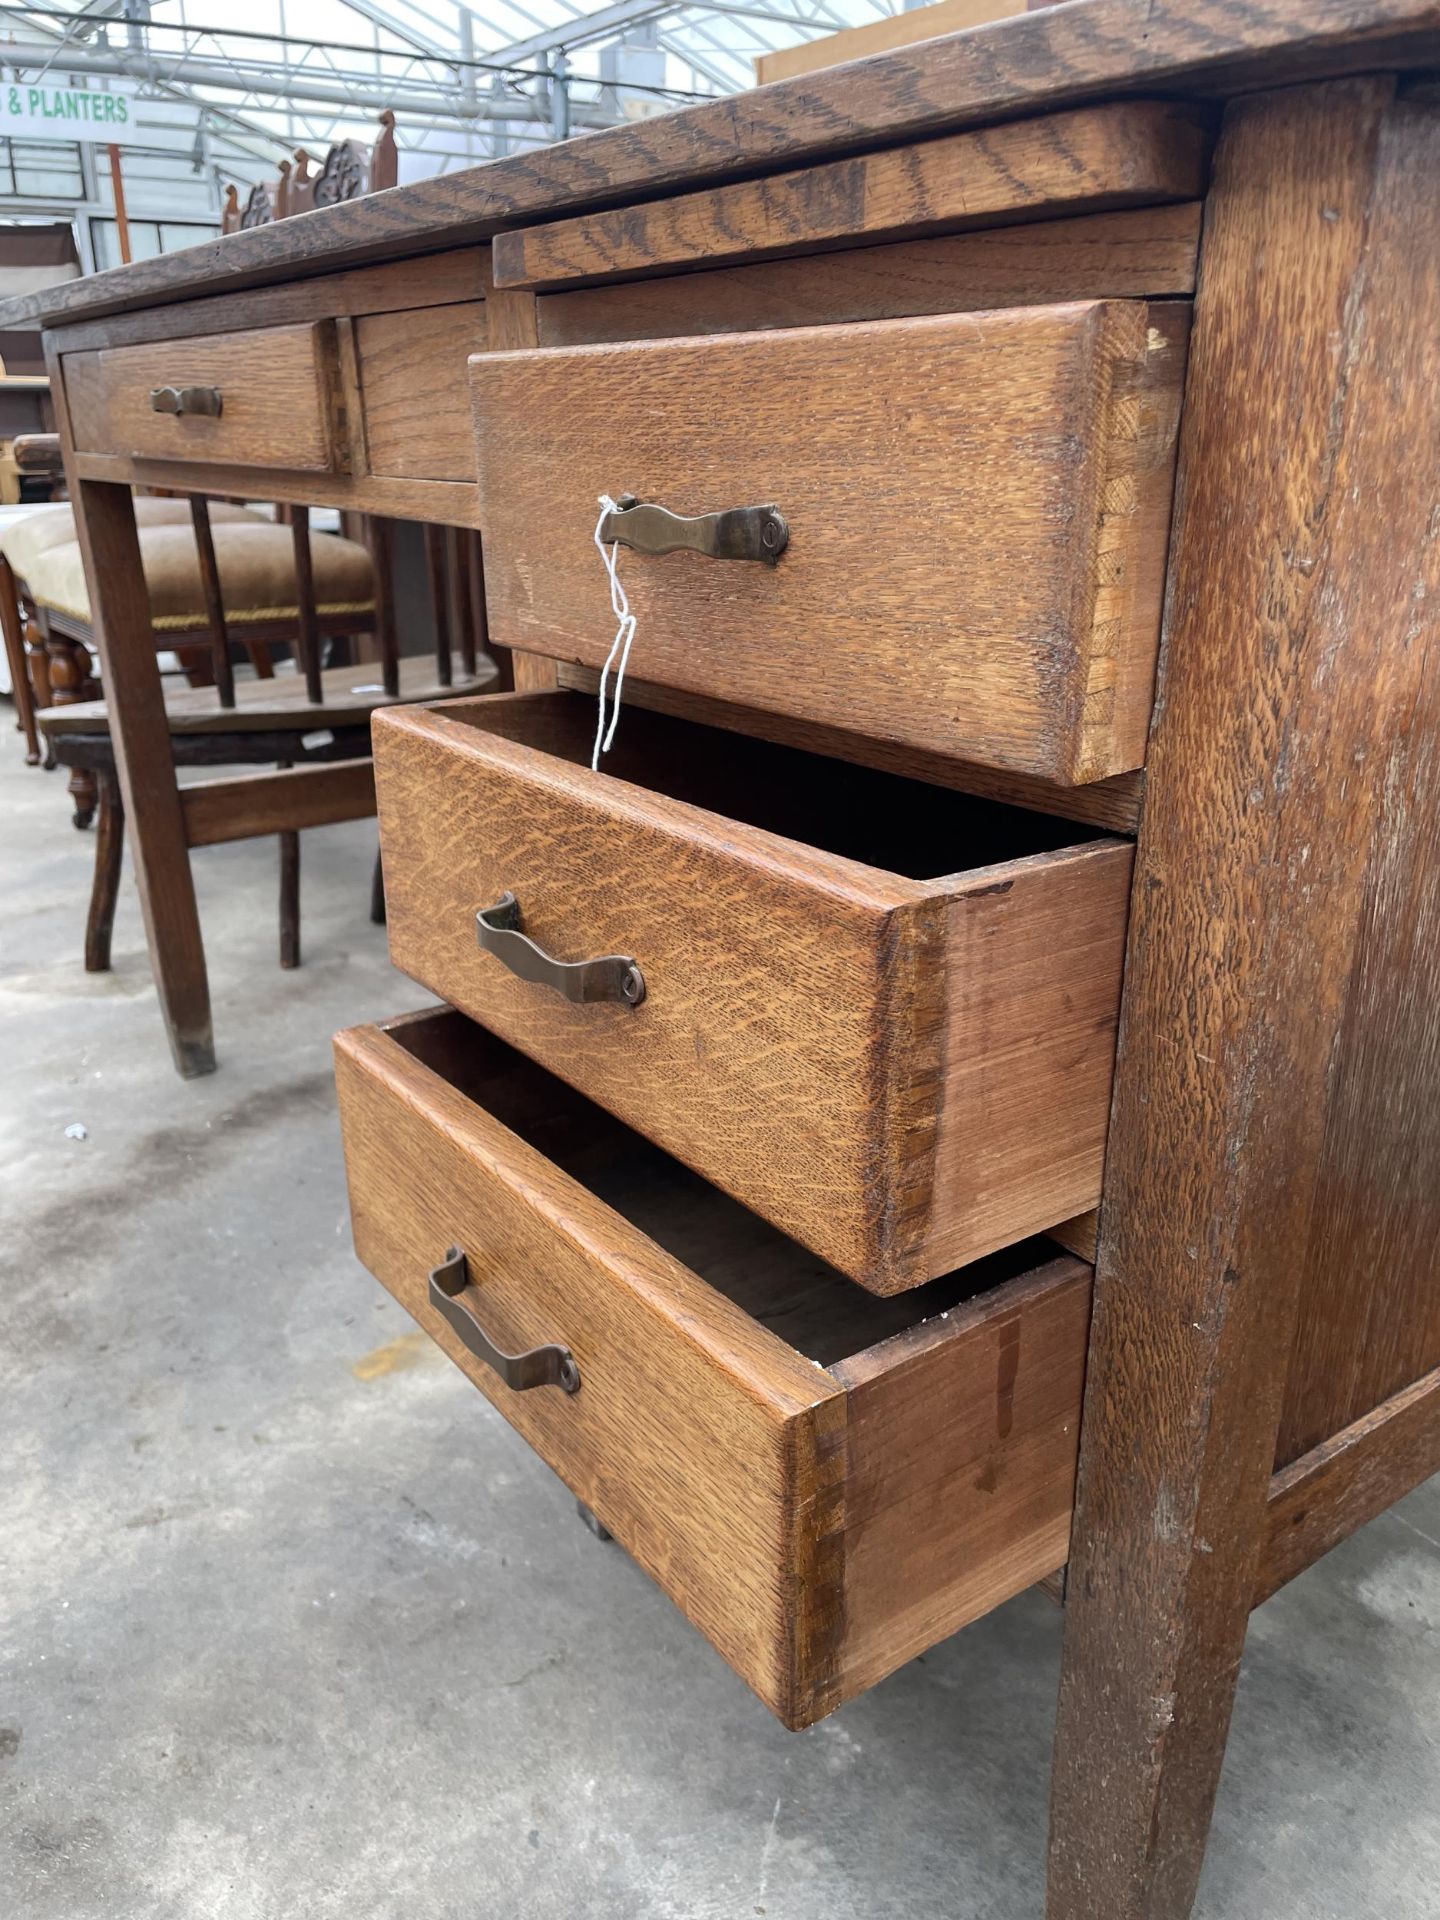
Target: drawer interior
777,1282
878,819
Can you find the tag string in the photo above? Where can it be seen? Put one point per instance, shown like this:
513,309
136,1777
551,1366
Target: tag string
620,645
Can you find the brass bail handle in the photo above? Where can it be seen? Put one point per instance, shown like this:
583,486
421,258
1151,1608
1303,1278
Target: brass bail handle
614,976
551,1366
737,533
207,402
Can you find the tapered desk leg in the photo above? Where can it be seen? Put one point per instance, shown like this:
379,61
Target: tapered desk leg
1304,603
131,679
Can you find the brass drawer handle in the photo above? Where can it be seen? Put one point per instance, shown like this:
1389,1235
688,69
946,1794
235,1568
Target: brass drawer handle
739,533
540,1367
613,977
201,400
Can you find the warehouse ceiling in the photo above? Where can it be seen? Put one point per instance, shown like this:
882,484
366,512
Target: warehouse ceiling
465,84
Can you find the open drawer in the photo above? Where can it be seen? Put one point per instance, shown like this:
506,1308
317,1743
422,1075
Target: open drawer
881,1014
826,1482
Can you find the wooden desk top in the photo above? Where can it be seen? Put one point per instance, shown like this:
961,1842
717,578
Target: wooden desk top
1086,50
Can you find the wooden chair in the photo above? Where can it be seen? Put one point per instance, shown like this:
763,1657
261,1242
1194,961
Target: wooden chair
50,664
52,615
299,726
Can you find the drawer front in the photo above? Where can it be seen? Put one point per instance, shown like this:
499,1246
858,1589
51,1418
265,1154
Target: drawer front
412,374
977,508
787,1506
277,391
903,1074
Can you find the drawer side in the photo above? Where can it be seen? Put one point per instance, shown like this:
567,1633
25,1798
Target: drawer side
1035,962
962,1438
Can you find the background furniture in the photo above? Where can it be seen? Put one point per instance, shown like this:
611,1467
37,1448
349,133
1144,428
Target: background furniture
48,634
348,170
1261,1372
33,256
218,575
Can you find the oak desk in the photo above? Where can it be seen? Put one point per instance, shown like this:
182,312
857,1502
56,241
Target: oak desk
1263,1361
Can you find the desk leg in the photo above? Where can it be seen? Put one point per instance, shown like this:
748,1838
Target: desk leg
1302,607
131,676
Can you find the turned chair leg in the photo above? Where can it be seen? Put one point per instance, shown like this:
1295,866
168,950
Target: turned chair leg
377,891
290,899
83,791
70,677
37,661
105,889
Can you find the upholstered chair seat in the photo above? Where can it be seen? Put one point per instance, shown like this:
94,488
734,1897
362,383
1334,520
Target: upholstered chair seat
36,533
256,563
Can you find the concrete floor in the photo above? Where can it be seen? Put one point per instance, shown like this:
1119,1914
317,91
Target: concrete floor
292,1625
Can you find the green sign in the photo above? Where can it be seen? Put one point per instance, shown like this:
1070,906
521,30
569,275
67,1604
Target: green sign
42,112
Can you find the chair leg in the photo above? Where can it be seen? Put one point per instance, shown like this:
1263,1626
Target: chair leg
38,662
290,899
13,622
83,796
71,678
377,891
105,890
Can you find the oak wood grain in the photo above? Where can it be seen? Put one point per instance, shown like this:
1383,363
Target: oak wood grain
1290,708
412,369
1034,957
1079,1235
977,505
1129,154
1322,1497
812,1014
1369,1315
279,399
1035,62
263,803
1148,253
511,324
961,1438
451,503
436,280
748,1424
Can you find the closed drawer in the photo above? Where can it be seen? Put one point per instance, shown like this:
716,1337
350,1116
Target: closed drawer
825,1482
412,374
879,1013
267,398
977,508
